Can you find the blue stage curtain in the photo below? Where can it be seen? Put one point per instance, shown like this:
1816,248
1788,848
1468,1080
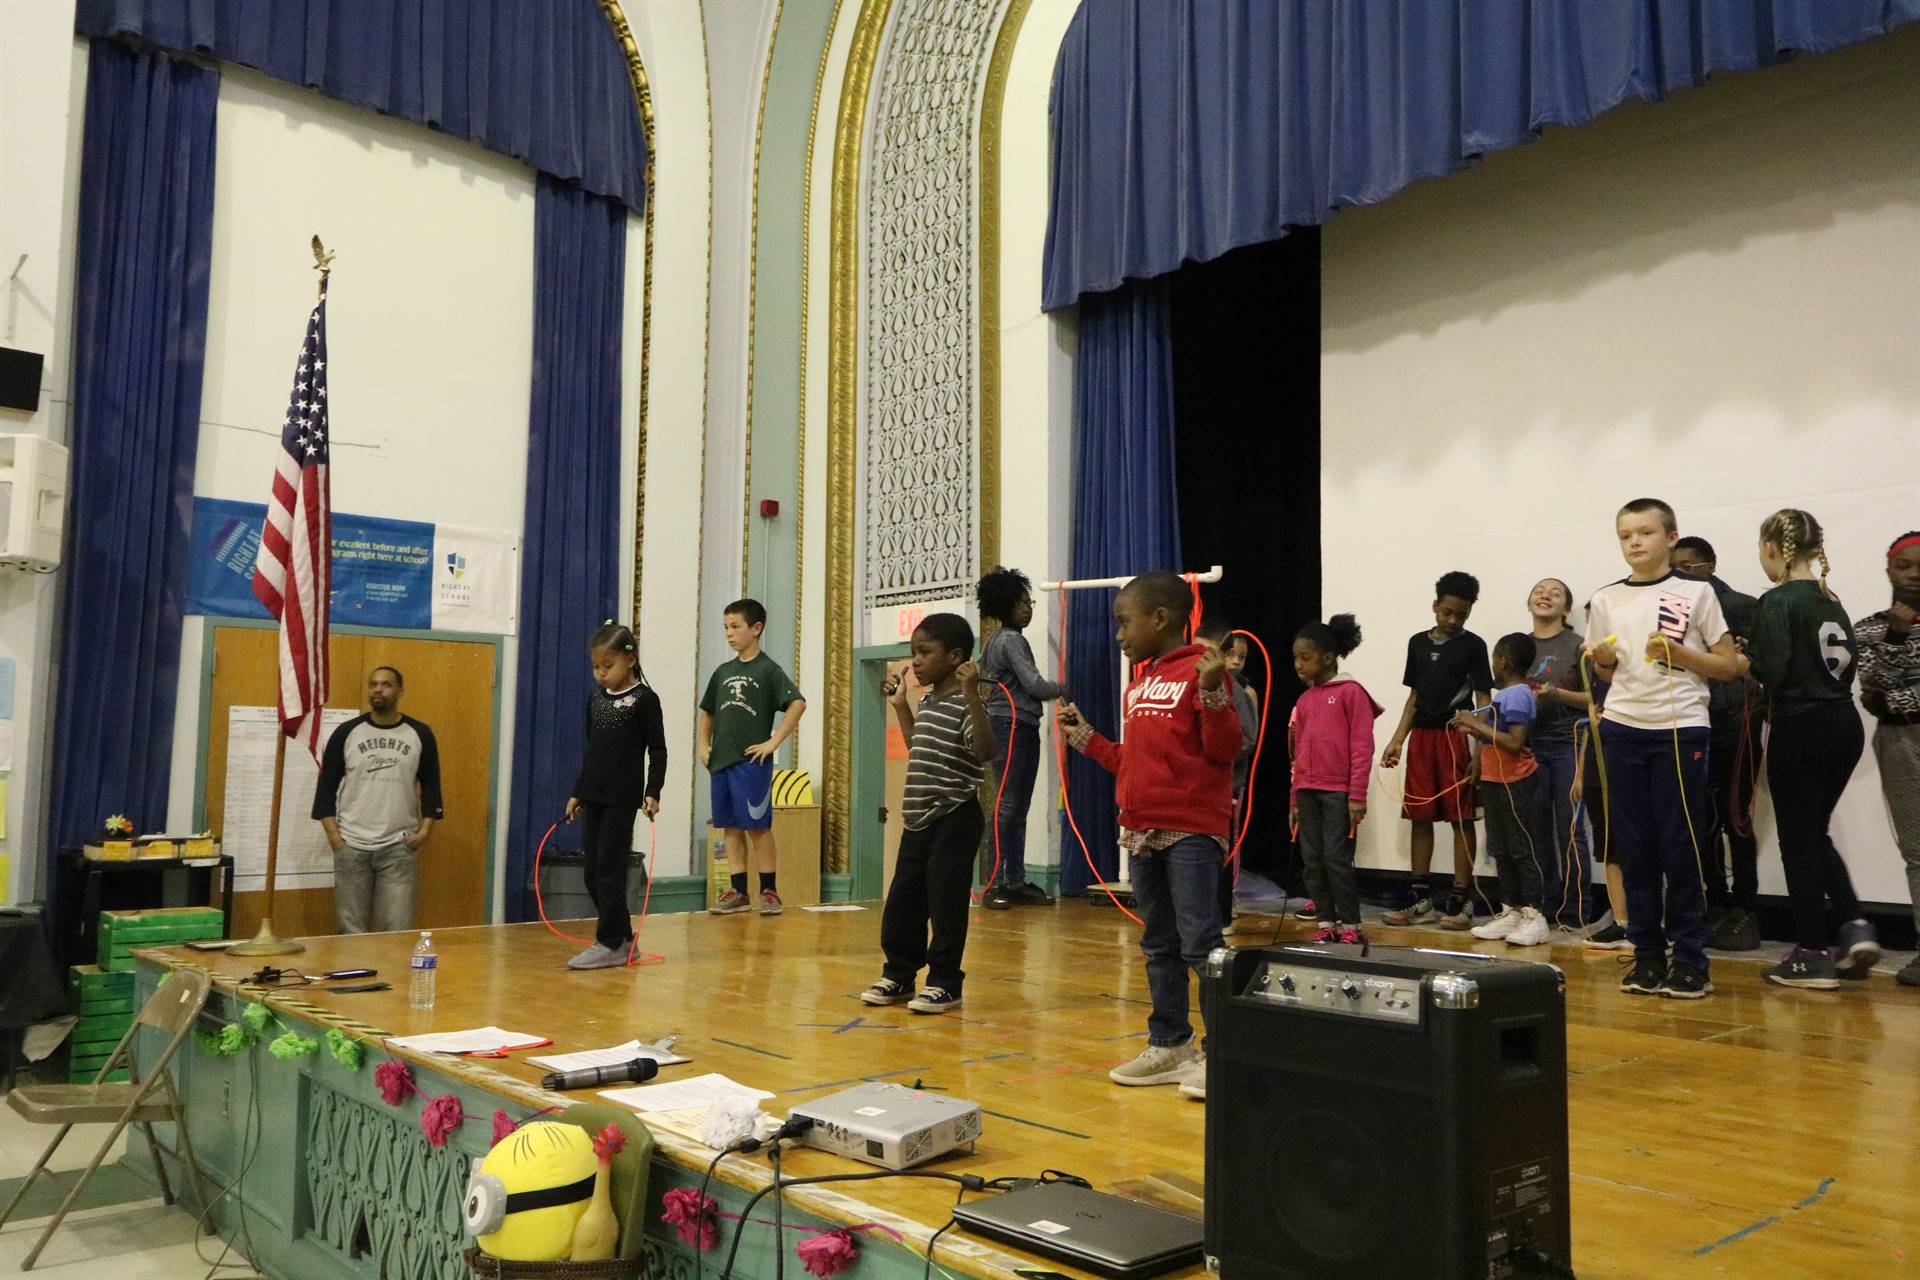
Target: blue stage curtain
544,81
1185,128
1126,520
144,258
569,547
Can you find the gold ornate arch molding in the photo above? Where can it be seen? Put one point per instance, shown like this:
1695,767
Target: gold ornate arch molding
843,363
643,98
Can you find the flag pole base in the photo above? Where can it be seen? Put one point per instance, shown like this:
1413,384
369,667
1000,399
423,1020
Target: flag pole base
266,943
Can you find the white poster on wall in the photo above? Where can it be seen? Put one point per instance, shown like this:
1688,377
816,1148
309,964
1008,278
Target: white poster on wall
476,580
303,860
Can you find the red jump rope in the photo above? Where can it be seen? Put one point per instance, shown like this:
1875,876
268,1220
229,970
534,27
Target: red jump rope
634,955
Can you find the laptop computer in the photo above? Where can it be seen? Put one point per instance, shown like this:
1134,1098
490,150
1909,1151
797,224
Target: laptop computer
1094,1231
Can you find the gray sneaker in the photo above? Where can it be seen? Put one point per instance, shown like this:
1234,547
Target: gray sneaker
1909,975
596,957
1158,1064
1419,913
1195,1083
730,903
1858,952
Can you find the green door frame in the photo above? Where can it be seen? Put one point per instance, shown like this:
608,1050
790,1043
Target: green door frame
866,853
210,623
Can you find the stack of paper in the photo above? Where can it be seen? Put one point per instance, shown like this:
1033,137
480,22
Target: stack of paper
618,1055
478,1040
680,1095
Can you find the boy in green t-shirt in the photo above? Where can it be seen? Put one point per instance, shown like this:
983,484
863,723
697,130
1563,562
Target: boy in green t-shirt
737,742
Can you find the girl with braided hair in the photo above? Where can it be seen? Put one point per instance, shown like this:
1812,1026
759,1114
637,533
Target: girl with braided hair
1803,651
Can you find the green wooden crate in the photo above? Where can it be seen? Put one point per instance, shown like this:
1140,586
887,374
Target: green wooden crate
102,1027
122,931
94,990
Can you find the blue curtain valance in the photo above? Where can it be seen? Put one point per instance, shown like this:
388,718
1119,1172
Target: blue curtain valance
1185,128
544,81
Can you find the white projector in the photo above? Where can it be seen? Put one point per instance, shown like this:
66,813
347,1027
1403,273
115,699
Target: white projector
889,1124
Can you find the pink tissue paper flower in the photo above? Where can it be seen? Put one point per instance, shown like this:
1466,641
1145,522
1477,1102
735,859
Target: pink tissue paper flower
439,1118
503,1125
396,1082
691,1216
829,1253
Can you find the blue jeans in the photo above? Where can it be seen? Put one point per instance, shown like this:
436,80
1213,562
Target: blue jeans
1566,889
1659,863
1175,890
1022,742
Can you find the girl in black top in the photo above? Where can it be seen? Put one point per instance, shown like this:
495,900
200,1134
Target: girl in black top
620,778
1803,652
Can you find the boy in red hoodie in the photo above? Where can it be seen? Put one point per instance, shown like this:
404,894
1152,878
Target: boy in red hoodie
1330,737
1174,784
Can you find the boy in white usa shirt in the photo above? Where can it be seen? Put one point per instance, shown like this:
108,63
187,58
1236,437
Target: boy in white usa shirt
1665,637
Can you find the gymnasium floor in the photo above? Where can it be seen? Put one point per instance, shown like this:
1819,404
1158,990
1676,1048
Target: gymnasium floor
1758,1133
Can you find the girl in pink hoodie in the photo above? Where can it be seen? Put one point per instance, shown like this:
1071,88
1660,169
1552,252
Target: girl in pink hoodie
1330,737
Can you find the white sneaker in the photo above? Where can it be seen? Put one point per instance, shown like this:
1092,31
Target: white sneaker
1496,929
1532,931
1158,1064
1194,1083
596,957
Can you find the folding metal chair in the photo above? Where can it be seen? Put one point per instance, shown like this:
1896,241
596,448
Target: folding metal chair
171,1011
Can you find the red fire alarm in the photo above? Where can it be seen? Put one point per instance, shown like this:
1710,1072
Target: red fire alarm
769,508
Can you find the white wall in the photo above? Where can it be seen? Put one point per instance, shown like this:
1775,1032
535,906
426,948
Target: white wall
1036,373
668,33
42,77
429,332
1713,300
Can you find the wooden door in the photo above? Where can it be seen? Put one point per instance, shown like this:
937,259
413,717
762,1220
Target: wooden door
450,687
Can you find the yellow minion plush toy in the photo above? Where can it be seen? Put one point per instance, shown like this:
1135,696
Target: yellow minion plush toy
528,1195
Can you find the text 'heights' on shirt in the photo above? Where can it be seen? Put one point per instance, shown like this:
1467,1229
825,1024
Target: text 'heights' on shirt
943,771
377,780
1652,695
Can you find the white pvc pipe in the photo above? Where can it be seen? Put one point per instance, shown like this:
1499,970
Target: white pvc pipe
1084,584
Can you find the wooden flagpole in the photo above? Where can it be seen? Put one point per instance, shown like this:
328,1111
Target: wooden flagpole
266,942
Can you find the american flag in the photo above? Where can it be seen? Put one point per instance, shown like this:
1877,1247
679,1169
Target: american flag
297,542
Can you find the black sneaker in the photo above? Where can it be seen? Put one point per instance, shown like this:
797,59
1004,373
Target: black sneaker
1684,982
1643,978
1029,894
1738,930
1716,916
1809,968
1858,952
1611,938
1458,914
1909,975
935,1000
997,898
887,991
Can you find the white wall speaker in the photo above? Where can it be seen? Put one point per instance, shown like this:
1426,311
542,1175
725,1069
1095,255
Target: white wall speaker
33,502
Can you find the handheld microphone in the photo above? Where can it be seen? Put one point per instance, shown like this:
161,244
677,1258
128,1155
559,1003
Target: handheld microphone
589,1077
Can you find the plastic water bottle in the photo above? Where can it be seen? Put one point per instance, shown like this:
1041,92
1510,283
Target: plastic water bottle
426,967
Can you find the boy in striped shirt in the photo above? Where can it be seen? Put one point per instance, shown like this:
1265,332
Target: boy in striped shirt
949,739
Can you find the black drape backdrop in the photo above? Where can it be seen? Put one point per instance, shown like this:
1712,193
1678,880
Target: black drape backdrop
1246,380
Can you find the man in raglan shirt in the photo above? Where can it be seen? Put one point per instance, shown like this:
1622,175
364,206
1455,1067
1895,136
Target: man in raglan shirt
378,797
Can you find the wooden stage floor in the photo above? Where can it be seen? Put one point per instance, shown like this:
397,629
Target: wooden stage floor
1759,1133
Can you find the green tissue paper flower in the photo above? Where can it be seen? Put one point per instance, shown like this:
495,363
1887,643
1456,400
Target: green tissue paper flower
291,1046
346,1051
233,1038
209,1043
255,1016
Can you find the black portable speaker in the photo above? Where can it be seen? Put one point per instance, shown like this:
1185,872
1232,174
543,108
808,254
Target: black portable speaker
1396,1114
20,378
